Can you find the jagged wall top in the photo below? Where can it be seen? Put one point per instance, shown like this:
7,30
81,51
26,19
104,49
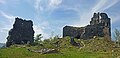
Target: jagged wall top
100,19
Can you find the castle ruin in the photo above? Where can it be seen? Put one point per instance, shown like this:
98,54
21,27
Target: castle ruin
21,33
100,26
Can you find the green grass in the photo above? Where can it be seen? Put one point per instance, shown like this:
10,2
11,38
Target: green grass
65,53
94,48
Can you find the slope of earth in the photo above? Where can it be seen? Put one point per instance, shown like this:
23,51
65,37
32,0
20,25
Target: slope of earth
93,48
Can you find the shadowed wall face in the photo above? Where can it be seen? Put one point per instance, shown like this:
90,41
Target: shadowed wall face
21,33
100,25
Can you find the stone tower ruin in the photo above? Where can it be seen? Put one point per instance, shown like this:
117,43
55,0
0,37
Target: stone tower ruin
21,33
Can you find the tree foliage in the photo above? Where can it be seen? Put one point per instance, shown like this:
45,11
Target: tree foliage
38,38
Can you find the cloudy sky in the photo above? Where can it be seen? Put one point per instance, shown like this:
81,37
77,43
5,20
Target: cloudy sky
49,16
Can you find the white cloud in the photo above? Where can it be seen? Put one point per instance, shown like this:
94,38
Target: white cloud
7,16
103,5
37,4
10,18
6,29
39,30
2,1
115,18
9,1
112,3
48,6
54,3
99,5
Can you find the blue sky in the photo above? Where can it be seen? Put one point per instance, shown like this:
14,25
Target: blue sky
50,16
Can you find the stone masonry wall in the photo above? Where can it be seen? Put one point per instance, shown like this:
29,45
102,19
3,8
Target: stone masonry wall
98,23
22,32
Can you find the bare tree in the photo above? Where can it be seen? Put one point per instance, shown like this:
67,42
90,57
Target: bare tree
117,37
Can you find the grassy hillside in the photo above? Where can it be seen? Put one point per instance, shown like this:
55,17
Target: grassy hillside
93,48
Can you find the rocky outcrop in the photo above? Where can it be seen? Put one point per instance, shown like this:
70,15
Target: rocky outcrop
72,42
21,33
45,51
99,22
